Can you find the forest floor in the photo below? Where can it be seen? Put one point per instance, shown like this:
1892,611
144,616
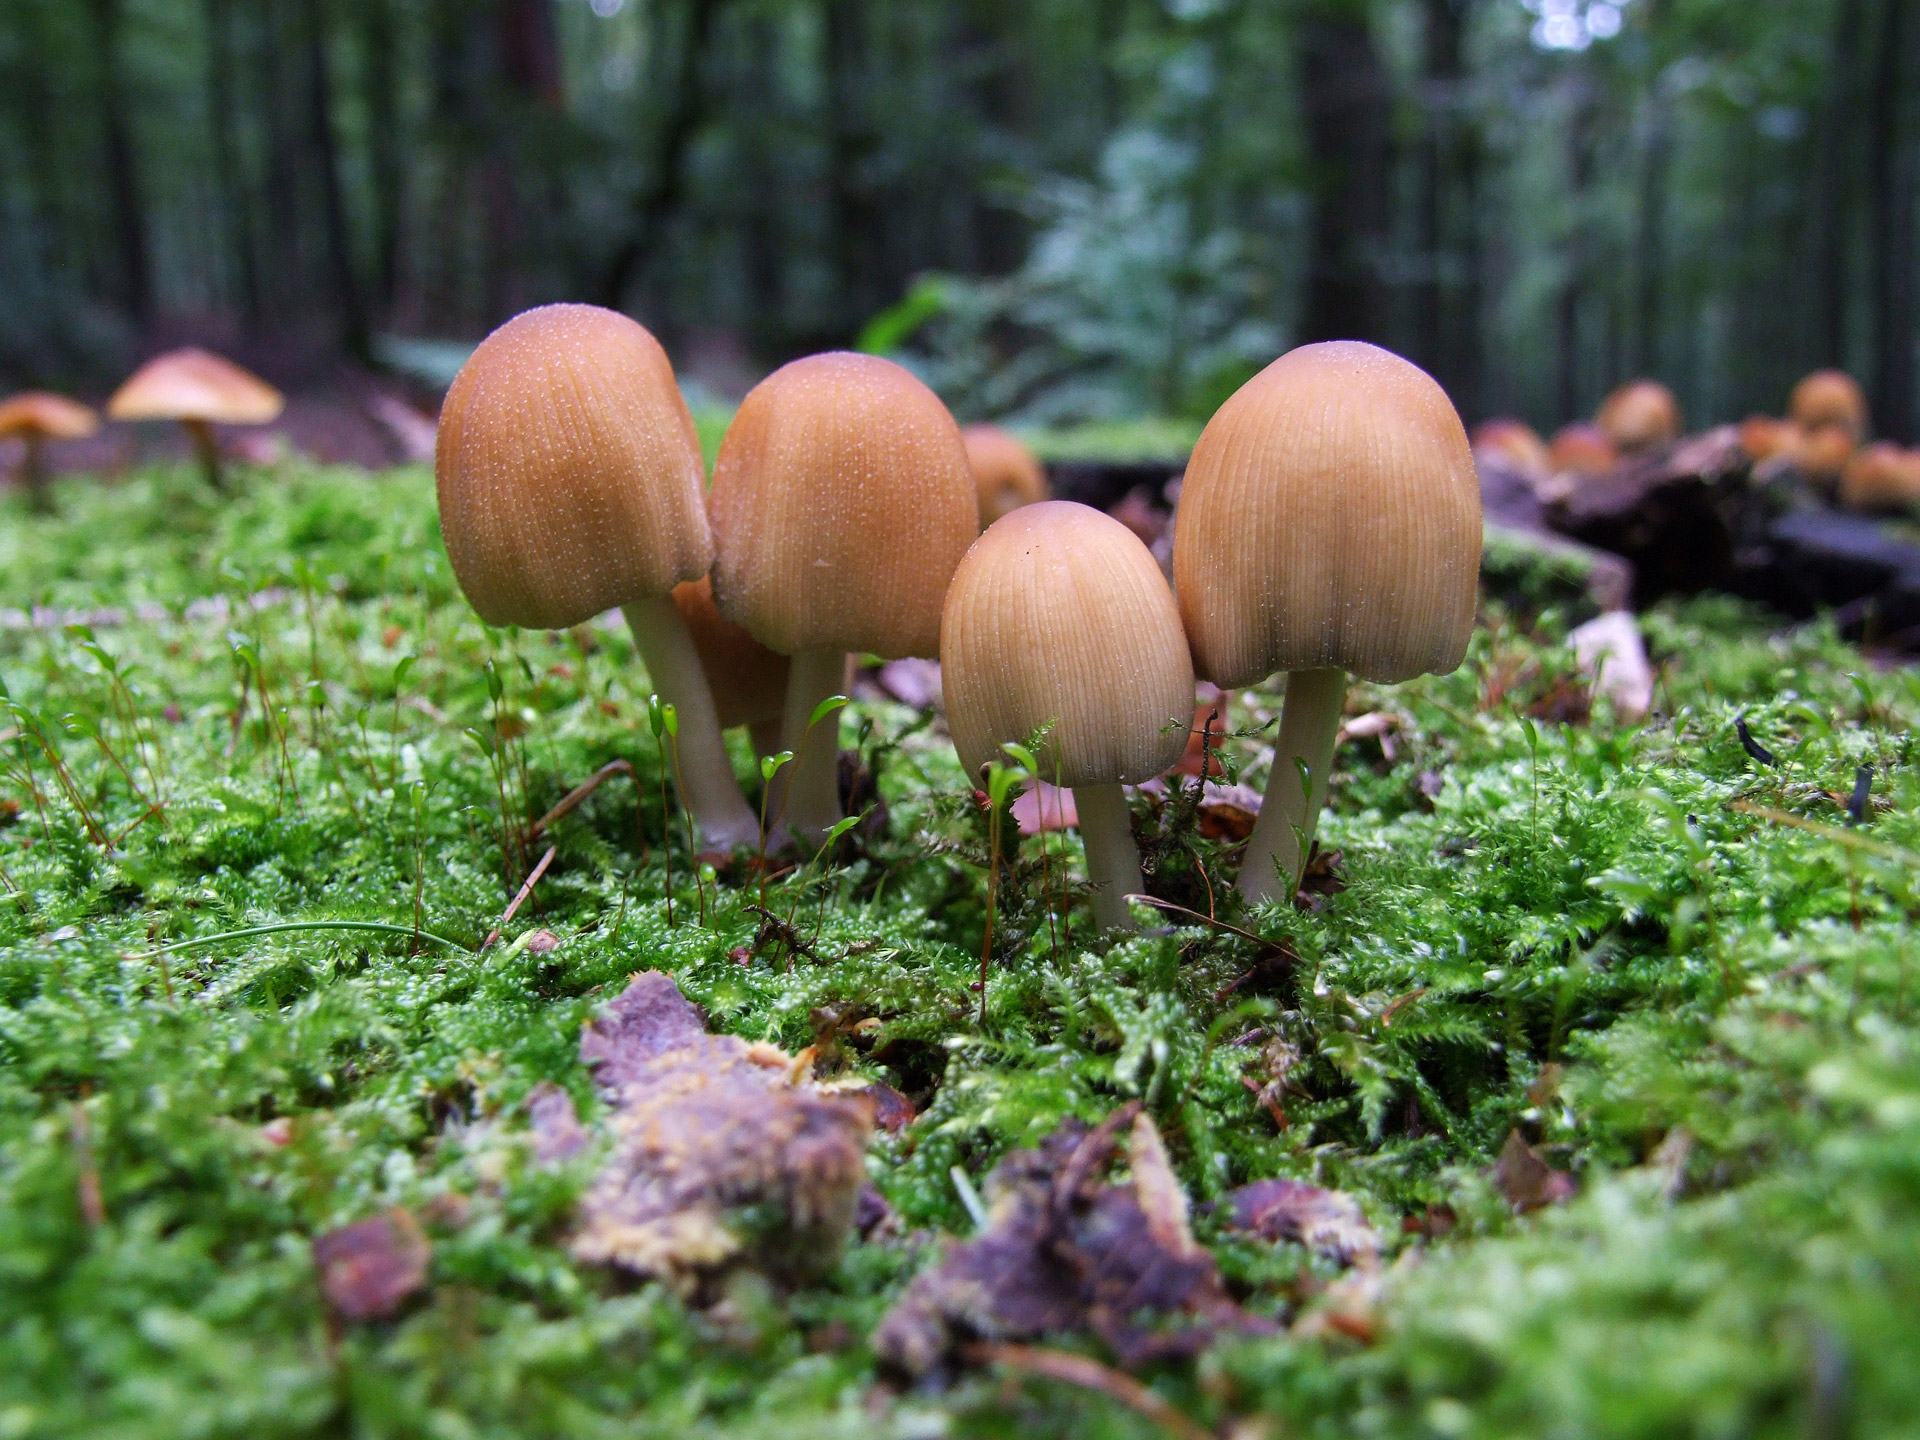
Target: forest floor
1611,1032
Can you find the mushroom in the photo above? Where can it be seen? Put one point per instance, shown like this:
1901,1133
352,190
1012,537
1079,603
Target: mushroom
841,504
749,681
1823,454
36,417
200,390
1829,397
1763,438
1329,523
1004,471
1881,477
1582,449
1641,415
570,482
1515,442
1059,617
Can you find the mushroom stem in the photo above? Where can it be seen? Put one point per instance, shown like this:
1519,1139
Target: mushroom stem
807,792
33,475
207,450
1308,725
1113,860
712,795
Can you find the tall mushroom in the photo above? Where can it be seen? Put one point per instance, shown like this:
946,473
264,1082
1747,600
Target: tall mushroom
1329,523
1640,415
1059,616
35,417
749,681
1004,471
199,390
570,482
841,504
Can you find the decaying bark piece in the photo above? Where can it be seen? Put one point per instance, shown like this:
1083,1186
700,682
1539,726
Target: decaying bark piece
1325,1221
1063,1253
719,1157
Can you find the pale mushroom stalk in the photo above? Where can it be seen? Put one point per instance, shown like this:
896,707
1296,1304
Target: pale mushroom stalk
712,794
1309,725
807,791
1113,860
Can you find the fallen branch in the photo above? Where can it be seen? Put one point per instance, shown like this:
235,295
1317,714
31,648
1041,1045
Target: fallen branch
520,899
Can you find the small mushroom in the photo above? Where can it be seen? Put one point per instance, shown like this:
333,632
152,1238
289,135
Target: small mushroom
1764,438
1881,477
1517,443
749,681
841,504
1329,523
1829,397
1823,454
1641,415
199,390
1582,449
570,482
35,417
1059,616
1004,470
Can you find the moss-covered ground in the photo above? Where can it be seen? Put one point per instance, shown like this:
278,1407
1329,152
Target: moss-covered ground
1680,973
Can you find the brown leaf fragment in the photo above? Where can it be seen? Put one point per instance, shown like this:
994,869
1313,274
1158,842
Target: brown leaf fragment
1526,1181
892,1111
721,1155
369,1267
558,1135
1327,1222
1065,1251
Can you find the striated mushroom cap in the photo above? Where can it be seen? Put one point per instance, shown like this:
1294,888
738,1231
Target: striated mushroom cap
1005,472
568,470
1830,397
841,504
36,414
749,681
1515,442
1640,415
1881,477
1059,615
193,384
1330,517
1582,449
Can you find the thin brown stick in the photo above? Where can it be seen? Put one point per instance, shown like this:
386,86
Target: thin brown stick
572,799
1090,1374
518,900
93,1208
1159,904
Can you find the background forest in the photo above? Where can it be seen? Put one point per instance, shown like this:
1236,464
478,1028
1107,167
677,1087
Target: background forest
1067,209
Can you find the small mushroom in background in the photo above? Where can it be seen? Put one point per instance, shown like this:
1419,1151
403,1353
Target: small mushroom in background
1582,449
1829,397
1330,524
35,417
1881,477
1059,616
1005,472
749,681
841,505
1641,415
570,482
1823,454
199,390
1517,443
1764,438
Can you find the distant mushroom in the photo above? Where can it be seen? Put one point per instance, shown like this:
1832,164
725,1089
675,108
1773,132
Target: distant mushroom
1515,442
199,390
1004,471
1881,477
35,417
1829,397
1582,449
1641,415
570,482
1059,616
1329,523
1823,454
841,504
1764,438
749,681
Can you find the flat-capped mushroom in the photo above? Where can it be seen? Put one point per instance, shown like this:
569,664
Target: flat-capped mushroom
570,482
749,681
199,390
1515,442
35,417
841,504
1881,477
1004,470
1641,415
1829,397
1582,449
1059,616
1329,524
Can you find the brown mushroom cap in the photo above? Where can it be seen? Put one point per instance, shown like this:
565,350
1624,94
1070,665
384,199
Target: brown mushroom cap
1582,449
1059,616
748,680
568,469
841,504
1829,397
1005,472
1330,517
39,415
1640,415
193,384
1824,452
1881,477
1516,442
1762,437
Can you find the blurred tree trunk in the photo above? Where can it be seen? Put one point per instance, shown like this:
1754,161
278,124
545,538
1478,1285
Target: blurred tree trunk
1833,199
380,81
857,236
1439,163
1573,284
339,242
1650,233
1345,99
1890,177
123,180
287,250
230,184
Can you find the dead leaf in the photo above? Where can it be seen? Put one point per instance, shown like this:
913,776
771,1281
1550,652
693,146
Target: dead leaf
892,1111
1327,1222
369,1267
1526,1181
1321,878
1374,725
1045,807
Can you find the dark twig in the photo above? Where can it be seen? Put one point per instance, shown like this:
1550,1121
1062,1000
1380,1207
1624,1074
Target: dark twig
1089,1374
525,890
1747,743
